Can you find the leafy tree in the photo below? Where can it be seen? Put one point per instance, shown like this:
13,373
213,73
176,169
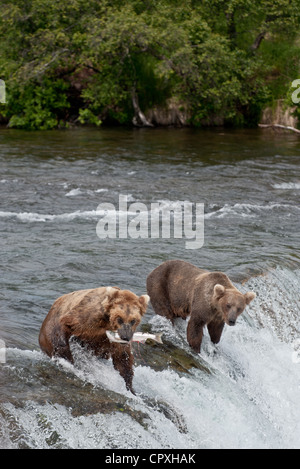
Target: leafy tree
111,60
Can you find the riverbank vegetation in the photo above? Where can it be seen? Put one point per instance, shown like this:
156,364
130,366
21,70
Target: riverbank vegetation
79,62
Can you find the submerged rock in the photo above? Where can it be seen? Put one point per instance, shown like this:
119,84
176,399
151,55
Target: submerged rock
45,381
166,355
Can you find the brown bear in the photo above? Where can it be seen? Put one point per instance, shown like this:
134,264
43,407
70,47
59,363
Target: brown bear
86,315
180,289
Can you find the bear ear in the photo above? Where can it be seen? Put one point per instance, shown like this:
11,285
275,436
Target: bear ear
112,290
249,296
110,295
144,300
219,290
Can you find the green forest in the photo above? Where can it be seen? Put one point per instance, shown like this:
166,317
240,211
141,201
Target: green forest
96,62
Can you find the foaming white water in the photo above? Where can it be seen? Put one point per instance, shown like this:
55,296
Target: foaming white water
266,385
287,185
74,192
45,217
78,214
278,302
250,399
45,423
245,210
97,372
79,191
5,441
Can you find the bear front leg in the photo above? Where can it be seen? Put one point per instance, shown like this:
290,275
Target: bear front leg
60,343
195,333
123,362
215,329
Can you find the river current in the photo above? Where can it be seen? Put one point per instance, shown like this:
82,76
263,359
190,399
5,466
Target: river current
243,392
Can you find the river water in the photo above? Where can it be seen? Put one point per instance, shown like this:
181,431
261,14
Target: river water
242,393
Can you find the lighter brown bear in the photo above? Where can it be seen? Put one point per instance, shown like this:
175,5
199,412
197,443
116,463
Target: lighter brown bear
180,289
86,315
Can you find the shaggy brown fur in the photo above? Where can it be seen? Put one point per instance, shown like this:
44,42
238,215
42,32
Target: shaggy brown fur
87,315
179,289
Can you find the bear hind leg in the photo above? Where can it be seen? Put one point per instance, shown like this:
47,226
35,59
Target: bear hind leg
163,308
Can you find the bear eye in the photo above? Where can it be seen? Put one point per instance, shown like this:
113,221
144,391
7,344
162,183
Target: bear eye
239,310
120,320
132,322
228,306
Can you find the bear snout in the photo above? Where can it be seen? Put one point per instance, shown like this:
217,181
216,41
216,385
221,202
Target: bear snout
231,319
125,332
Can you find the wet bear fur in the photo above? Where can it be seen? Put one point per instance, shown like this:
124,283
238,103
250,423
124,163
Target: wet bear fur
180,289
86,315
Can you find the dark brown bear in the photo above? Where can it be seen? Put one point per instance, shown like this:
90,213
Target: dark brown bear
87,315
179,289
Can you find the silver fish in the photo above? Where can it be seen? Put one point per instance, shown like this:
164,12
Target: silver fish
137,337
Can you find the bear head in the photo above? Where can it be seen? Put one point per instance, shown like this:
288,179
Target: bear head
125,312
231,303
